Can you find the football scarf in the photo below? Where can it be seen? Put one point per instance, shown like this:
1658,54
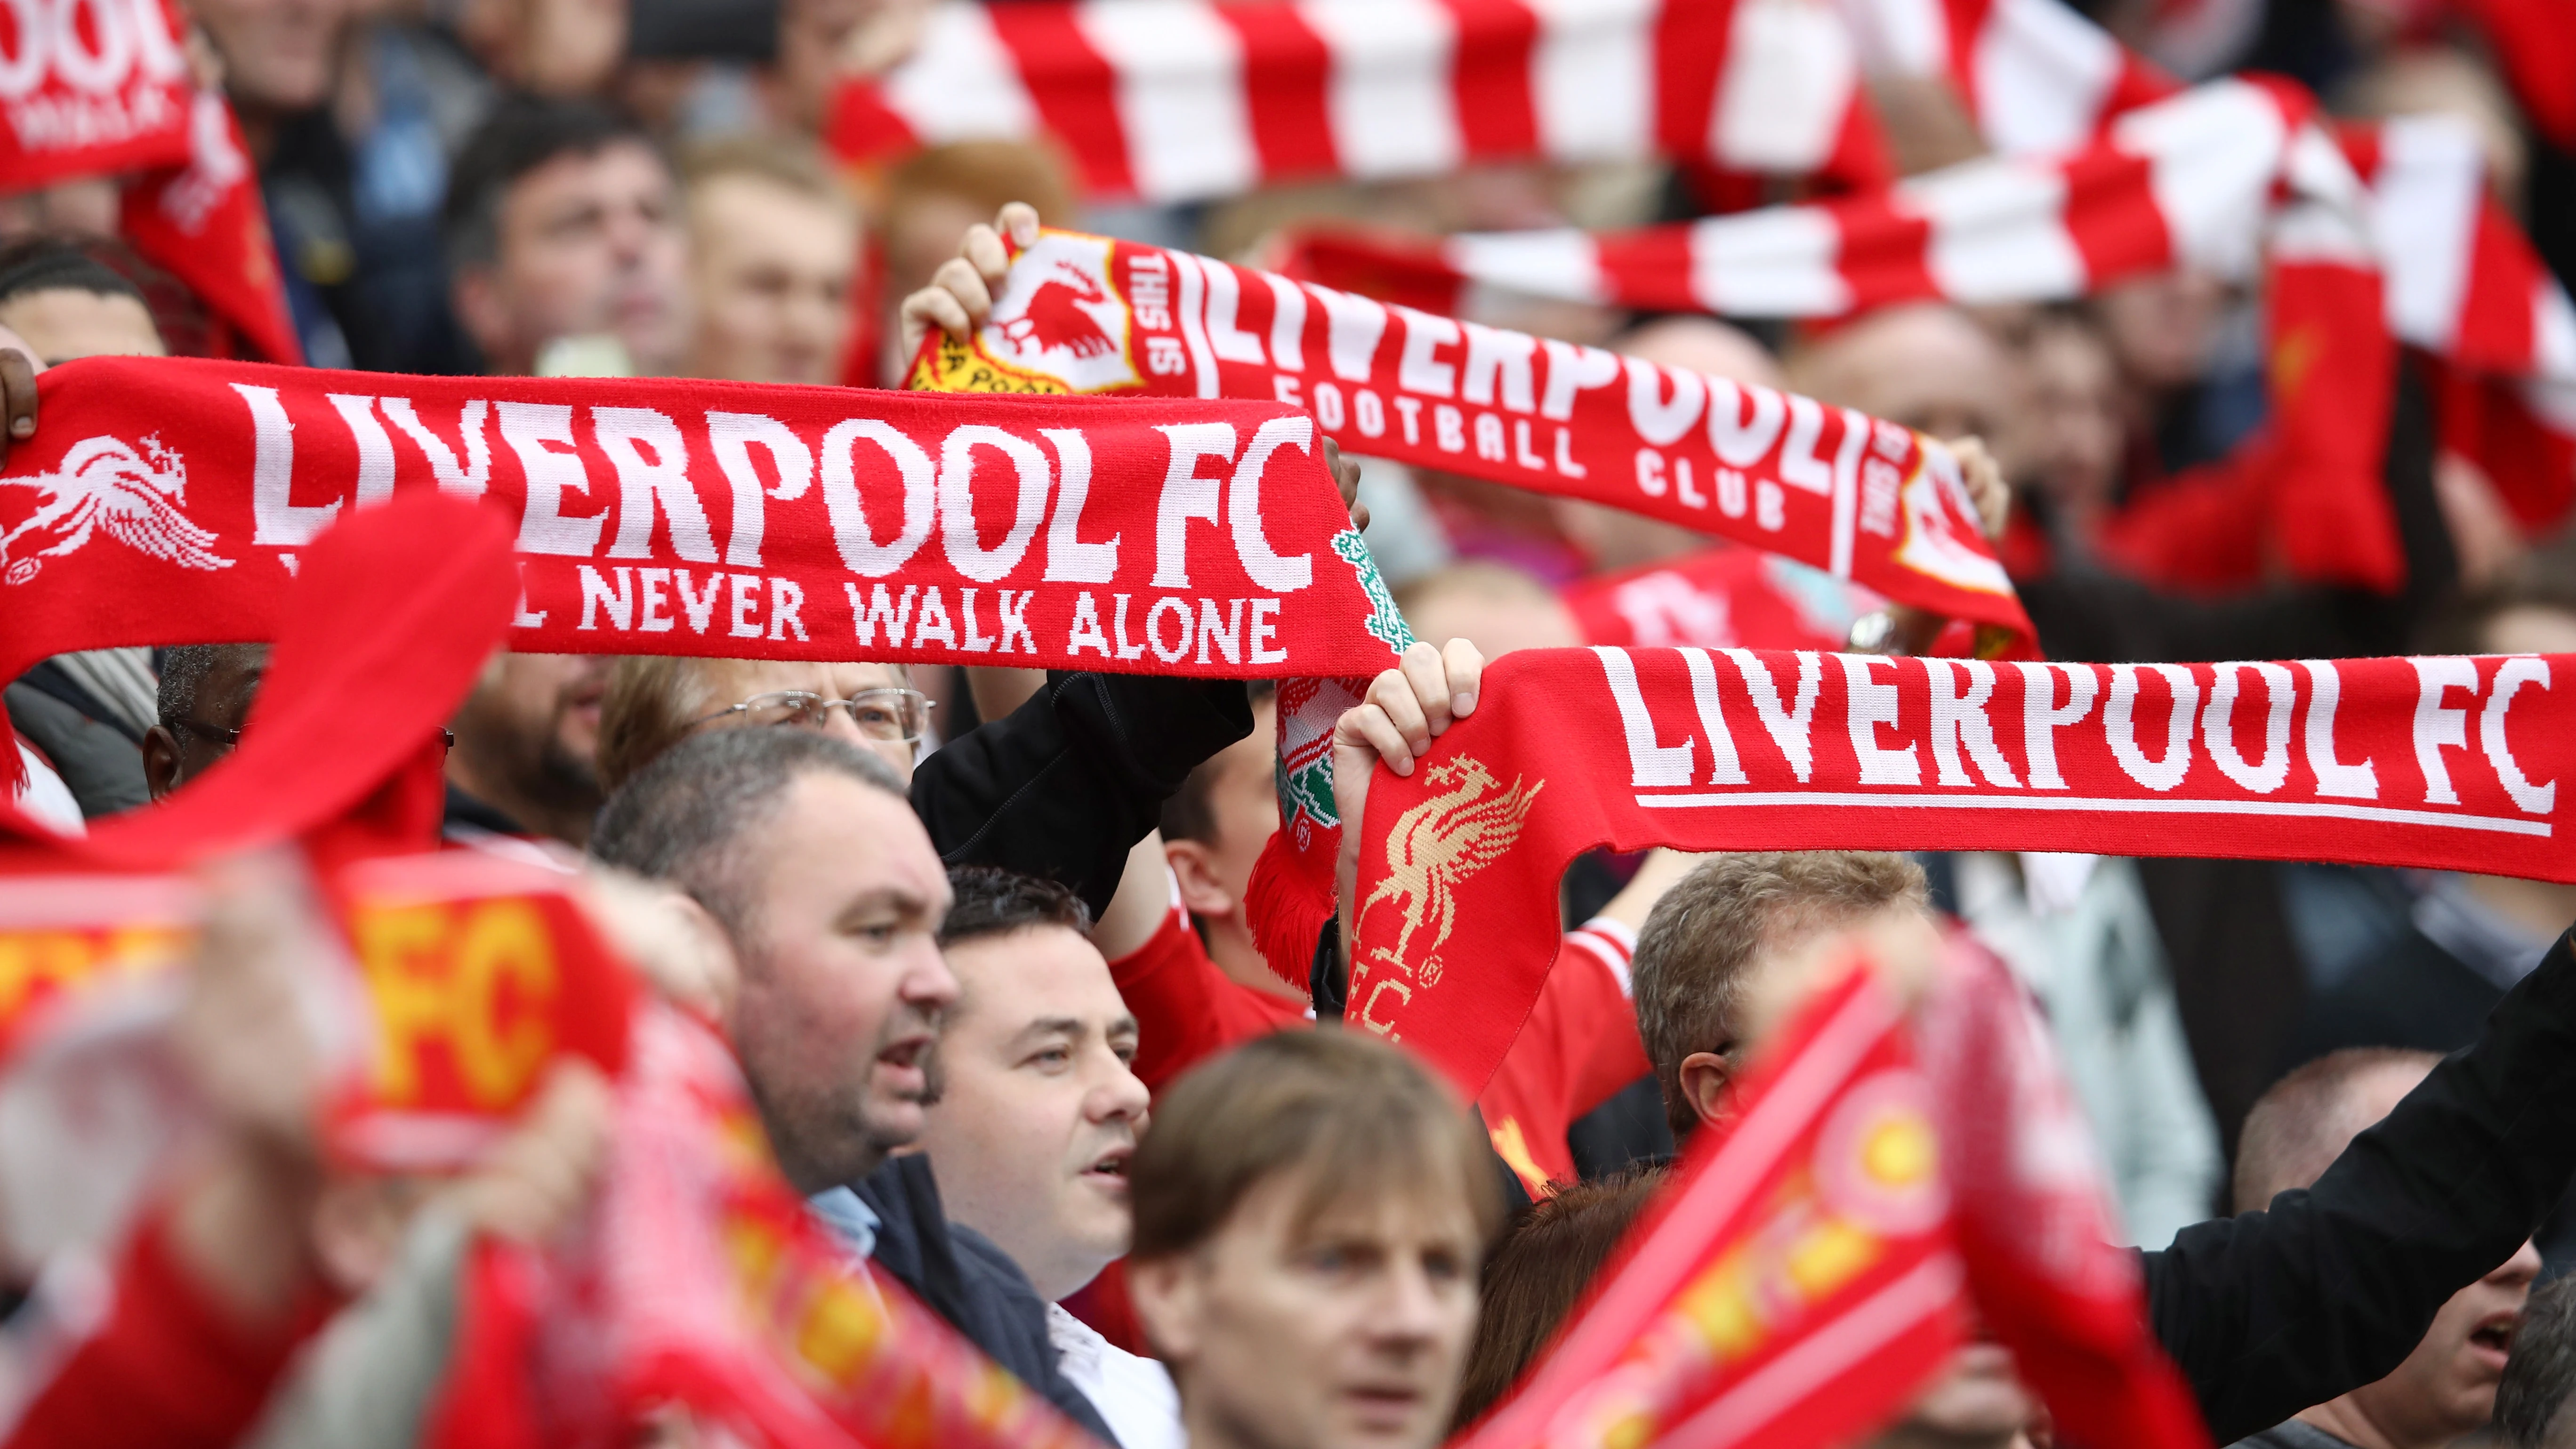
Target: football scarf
1798,1279
1205,99
2030,1210
701,1284
91,88
1814,1259
1864,499
2214,178
168,501
204,223
2442,763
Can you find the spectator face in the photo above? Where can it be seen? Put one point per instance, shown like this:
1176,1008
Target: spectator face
172,758
2447,1386
2073,452
280,56
67,322
1976,1401
1040,1112
770,269
842,982
588,244
1350,1330
734,681
1243,805
1930,367
2160,327
527,739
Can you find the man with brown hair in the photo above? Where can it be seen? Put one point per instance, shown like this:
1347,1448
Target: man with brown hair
1311,1210
2447,1386
1720,928
773,245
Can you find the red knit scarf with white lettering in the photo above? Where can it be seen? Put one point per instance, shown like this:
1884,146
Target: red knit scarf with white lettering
2444,763
165,501
1863,499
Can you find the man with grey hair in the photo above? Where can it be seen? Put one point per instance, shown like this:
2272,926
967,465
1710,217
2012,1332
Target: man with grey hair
2531,1404
803,850
204,695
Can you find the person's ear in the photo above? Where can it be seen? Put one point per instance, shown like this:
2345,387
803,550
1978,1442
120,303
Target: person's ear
1194,866
160,761
1169,1295
1705,1078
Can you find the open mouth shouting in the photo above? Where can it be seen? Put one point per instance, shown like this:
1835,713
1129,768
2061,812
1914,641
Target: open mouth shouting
1108,1171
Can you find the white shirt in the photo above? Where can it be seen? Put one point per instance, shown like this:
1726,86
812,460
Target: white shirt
1134,1395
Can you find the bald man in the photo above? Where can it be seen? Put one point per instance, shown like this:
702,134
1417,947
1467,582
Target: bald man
2447,1387
1612,539
1927,365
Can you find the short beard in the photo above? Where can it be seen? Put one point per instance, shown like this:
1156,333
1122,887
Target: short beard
559,780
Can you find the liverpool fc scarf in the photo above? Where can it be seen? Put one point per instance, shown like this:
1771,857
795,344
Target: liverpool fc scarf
1861,498
167,501
91,88
2444,763
1211,98
204,223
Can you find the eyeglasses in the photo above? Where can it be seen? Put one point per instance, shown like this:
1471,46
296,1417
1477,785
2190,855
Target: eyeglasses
228,738
879,714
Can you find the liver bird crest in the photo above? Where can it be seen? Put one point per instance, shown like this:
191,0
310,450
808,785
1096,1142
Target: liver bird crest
1439,843
1055,318
104,483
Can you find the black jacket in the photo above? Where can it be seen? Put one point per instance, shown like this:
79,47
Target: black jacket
2270,1312
965,1279
1065,785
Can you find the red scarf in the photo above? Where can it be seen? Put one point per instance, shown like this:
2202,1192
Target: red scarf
2201,179
171,501
1796,1282
1863,499
1192,102
92,87
204,223
2447,763
1811,1264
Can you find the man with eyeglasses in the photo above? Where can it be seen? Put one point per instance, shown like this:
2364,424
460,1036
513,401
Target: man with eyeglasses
205,694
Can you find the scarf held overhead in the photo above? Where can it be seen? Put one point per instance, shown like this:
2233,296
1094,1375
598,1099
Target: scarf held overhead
165,501
2442,763
1192,100
1862,498
90,88
2214,179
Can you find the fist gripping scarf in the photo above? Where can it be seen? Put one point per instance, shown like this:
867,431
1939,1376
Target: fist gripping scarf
2443,763
1864,499
168,501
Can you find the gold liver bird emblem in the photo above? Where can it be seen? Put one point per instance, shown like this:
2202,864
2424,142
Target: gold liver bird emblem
1438,844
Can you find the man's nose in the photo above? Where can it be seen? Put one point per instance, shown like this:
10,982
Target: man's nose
1122,1096
2520,1270
929,984
1411,1308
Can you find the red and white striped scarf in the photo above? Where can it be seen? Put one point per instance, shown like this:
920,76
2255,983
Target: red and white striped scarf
1187,100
